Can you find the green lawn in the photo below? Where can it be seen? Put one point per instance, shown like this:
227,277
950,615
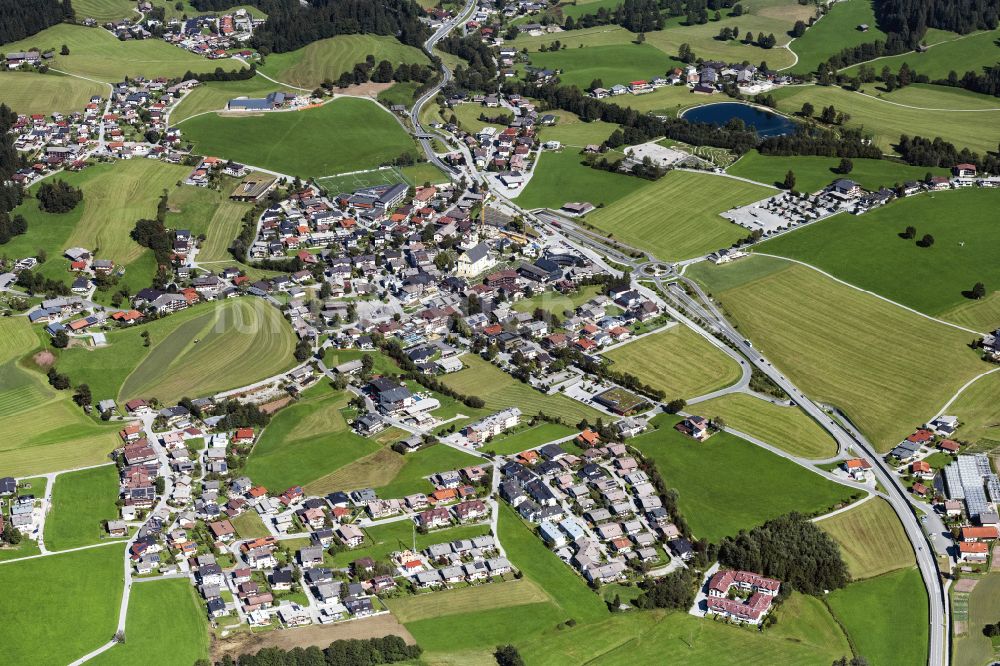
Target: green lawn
871,539
305,441
887,639
561,177
557,303
383,540
715,480
960,53
612,64
571,131
381,364
166,625
887,368
29,92
678,361
299,142
59,608
528,438
81,502
979,412
866,251
411,478
788,428
836,31
248,525
677,217
815,173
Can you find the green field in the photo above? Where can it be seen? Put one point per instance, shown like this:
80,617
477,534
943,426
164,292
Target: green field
327,59
561,177
59,608
866,251
196,352
209,212
41,430
213,96
414,175
871,539
788,428
971,647
571,131
815,173
95,53
528,438
28,92
305,441
416,466
299,142
678,361
669,100
81,502
105,10
979,412
557,303
964,53
885,367
929,96
466,600
715,480
248,525
885,122
834,32
677,217
383,540
500,391
166,625
612,64
898,638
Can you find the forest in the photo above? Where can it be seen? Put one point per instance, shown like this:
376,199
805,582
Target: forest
20,19
907,20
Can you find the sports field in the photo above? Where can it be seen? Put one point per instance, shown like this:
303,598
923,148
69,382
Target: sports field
196,352
298,142
411,477
834,32
678,361
979,131
306,441
210,212
61,607
971,647
866,251
815,173
722,502
677,217
327,59
213,96
159,638
96,54
979,411
788,428
961,53
885,367
887,639
415,175
81,501
500,391
871,539
560,177
28,92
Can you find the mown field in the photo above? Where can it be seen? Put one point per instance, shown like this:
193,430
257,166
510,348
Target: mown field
557,303
327,59
929,96
41,430
611,64
415,175
888,369
898,638
213,96
96,54
678,361
411,478
81,501
815,173
971,647
28,92
383,540
979,131
529,438
866,251
721,501
871,539
788,428
61,607
209,212
466,600
834,32
560,177
159,638
105,10
306,441
299,142
570,130
196,352
956,53
979,411
677,217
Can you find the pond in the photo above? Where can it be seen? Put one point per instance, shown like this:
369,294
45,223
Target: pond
765,122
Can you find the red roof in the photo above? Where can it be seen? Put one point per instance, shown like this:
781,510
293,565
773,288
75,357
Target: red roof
949,445
921,436
974,547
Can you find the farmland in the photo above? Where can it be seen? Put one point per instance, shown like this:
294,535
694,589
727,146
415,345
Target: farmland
871,539
411,478
867,251
860,608
570,130
560,177
979,412
298,142
76,595
213,96
835,31
972,648
718,504
499,390
28,92
327,59
306,441
196,352
466,600
209,212
614,63
81,501
929,96
852,348
815,173
787,428
956,53
97,54
677,217
678,361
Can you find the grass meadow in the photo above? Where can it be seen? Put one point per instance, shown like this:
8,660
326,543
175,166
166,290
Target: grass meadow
971,647
213,96
979,411
612,64
834,32
412,476
955,53
209,212
714,480
29,92
888,369
560,177
788,428
871,539
383,540
679,361
528,438
81,502
571,131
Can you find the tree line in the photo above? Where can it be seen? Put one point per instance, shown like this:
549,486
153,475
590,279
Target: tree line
906,21
19,19
936,152
351,652
10,162
481,74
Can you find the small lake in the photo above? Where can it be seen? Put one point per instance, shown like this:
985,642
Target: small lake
765,122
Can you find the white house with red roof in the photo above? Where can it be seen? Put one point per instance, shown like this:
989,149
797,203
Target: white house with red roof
750,610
